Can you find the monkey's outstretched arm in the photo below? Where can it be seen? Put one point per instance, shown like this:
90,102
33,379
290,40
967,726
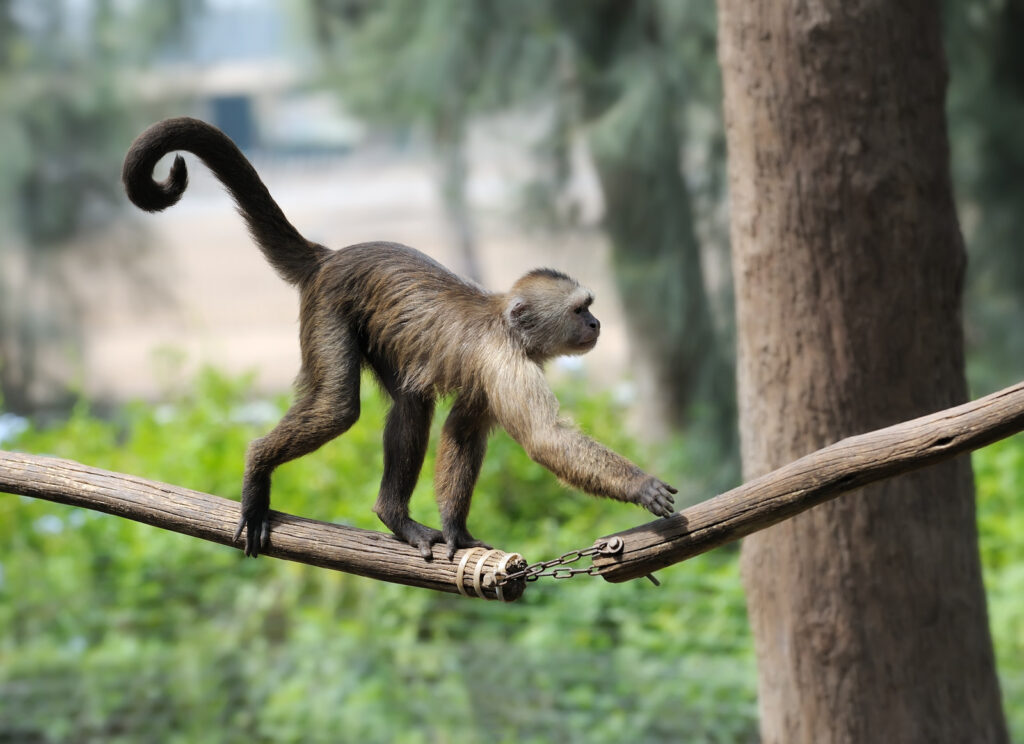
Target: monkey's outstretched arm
528,411
294,257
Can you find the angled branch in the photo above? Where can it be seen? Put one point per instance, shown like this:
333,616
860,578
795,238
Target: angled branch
212,518
846,465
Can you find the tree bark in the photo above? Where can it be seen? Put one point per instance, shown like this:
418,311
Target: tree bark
868,613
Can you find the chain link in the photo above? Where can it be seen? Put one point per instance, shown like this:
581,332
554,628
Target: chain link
555,568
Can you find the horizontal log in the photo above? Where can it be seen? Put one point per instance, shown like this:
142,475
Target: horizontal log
363,552
822,475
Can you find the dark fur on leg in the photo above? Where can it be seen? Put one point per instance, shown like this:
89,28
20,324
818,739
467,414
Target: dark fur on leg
459,457
406,434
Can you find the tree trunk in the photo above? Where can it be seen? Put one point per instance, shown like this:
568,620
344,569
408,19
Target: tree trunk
868,612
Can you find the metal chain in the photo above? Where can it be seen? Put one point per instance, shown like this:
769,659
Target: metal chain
554,567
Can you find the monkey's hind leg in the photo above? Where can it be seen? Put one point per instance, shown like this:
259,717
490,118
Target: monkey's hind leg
459,457
327,406
405,445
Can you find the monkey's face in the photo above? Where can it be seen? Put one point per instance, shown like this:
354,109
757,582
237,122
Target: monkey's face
551,314
584,329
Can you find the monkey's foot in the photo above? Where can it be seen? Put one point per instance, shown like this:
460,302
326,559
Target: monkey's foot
418,535
457,539
656,497
256,524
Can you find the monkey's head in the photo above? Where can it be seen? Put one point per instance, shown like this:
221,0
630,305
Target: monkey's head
549,313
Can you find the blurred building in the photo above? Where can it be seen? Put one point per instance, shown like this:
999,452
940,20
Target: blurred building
247,69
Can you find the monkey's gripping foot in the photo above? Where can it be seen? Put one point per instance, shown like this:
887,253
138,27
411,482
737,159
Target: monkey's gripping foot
257,530
255,517
456,539
418,535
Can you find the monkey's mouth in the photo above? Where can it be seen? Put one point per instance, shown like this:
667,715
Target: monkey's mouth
586,345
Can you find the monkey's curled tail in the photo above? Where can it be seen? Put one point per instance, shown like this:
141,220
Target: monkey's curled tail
291,255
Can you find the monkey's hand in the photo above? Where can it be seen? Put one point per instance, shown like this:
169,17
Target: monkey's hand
458,538
655,496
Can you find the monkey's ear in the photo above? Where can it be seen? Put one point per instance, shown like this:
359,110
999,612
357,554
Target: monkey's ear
516,307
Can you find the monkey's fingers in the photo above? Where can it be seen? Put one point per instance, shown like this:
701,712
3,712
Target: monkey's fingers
253,527
660,509
666,499
419,536
454,548
252,543
248,544
657,498
458,538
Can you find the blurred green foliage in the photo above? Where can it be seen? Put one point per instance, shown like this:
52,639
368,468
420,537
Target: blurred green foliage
999,478
117,632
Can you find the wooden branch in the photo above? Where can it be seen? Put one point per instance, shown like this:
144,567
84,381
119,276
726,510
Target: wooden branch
846,465
212,518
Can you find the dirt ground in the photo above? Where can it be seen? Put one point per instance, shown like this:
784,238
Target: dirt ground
224,306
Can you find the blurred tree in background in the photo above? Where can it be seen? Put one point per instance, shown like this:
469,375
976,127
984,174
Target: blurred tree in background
64,119
986,117
637,80
624,75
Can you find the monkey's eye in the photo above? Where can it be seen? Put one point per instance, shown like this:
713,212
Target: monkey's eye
579,309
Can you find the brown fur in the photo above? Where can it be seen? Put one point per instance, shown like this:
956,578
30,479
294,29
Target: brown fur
424,332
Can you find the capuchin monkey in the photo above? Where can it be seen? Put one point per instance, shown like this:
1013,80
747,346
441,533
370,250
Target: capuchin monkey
424,332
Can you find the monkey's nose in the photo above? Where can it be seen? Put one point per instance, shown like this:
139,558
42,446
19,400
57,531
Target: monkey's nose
595,324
